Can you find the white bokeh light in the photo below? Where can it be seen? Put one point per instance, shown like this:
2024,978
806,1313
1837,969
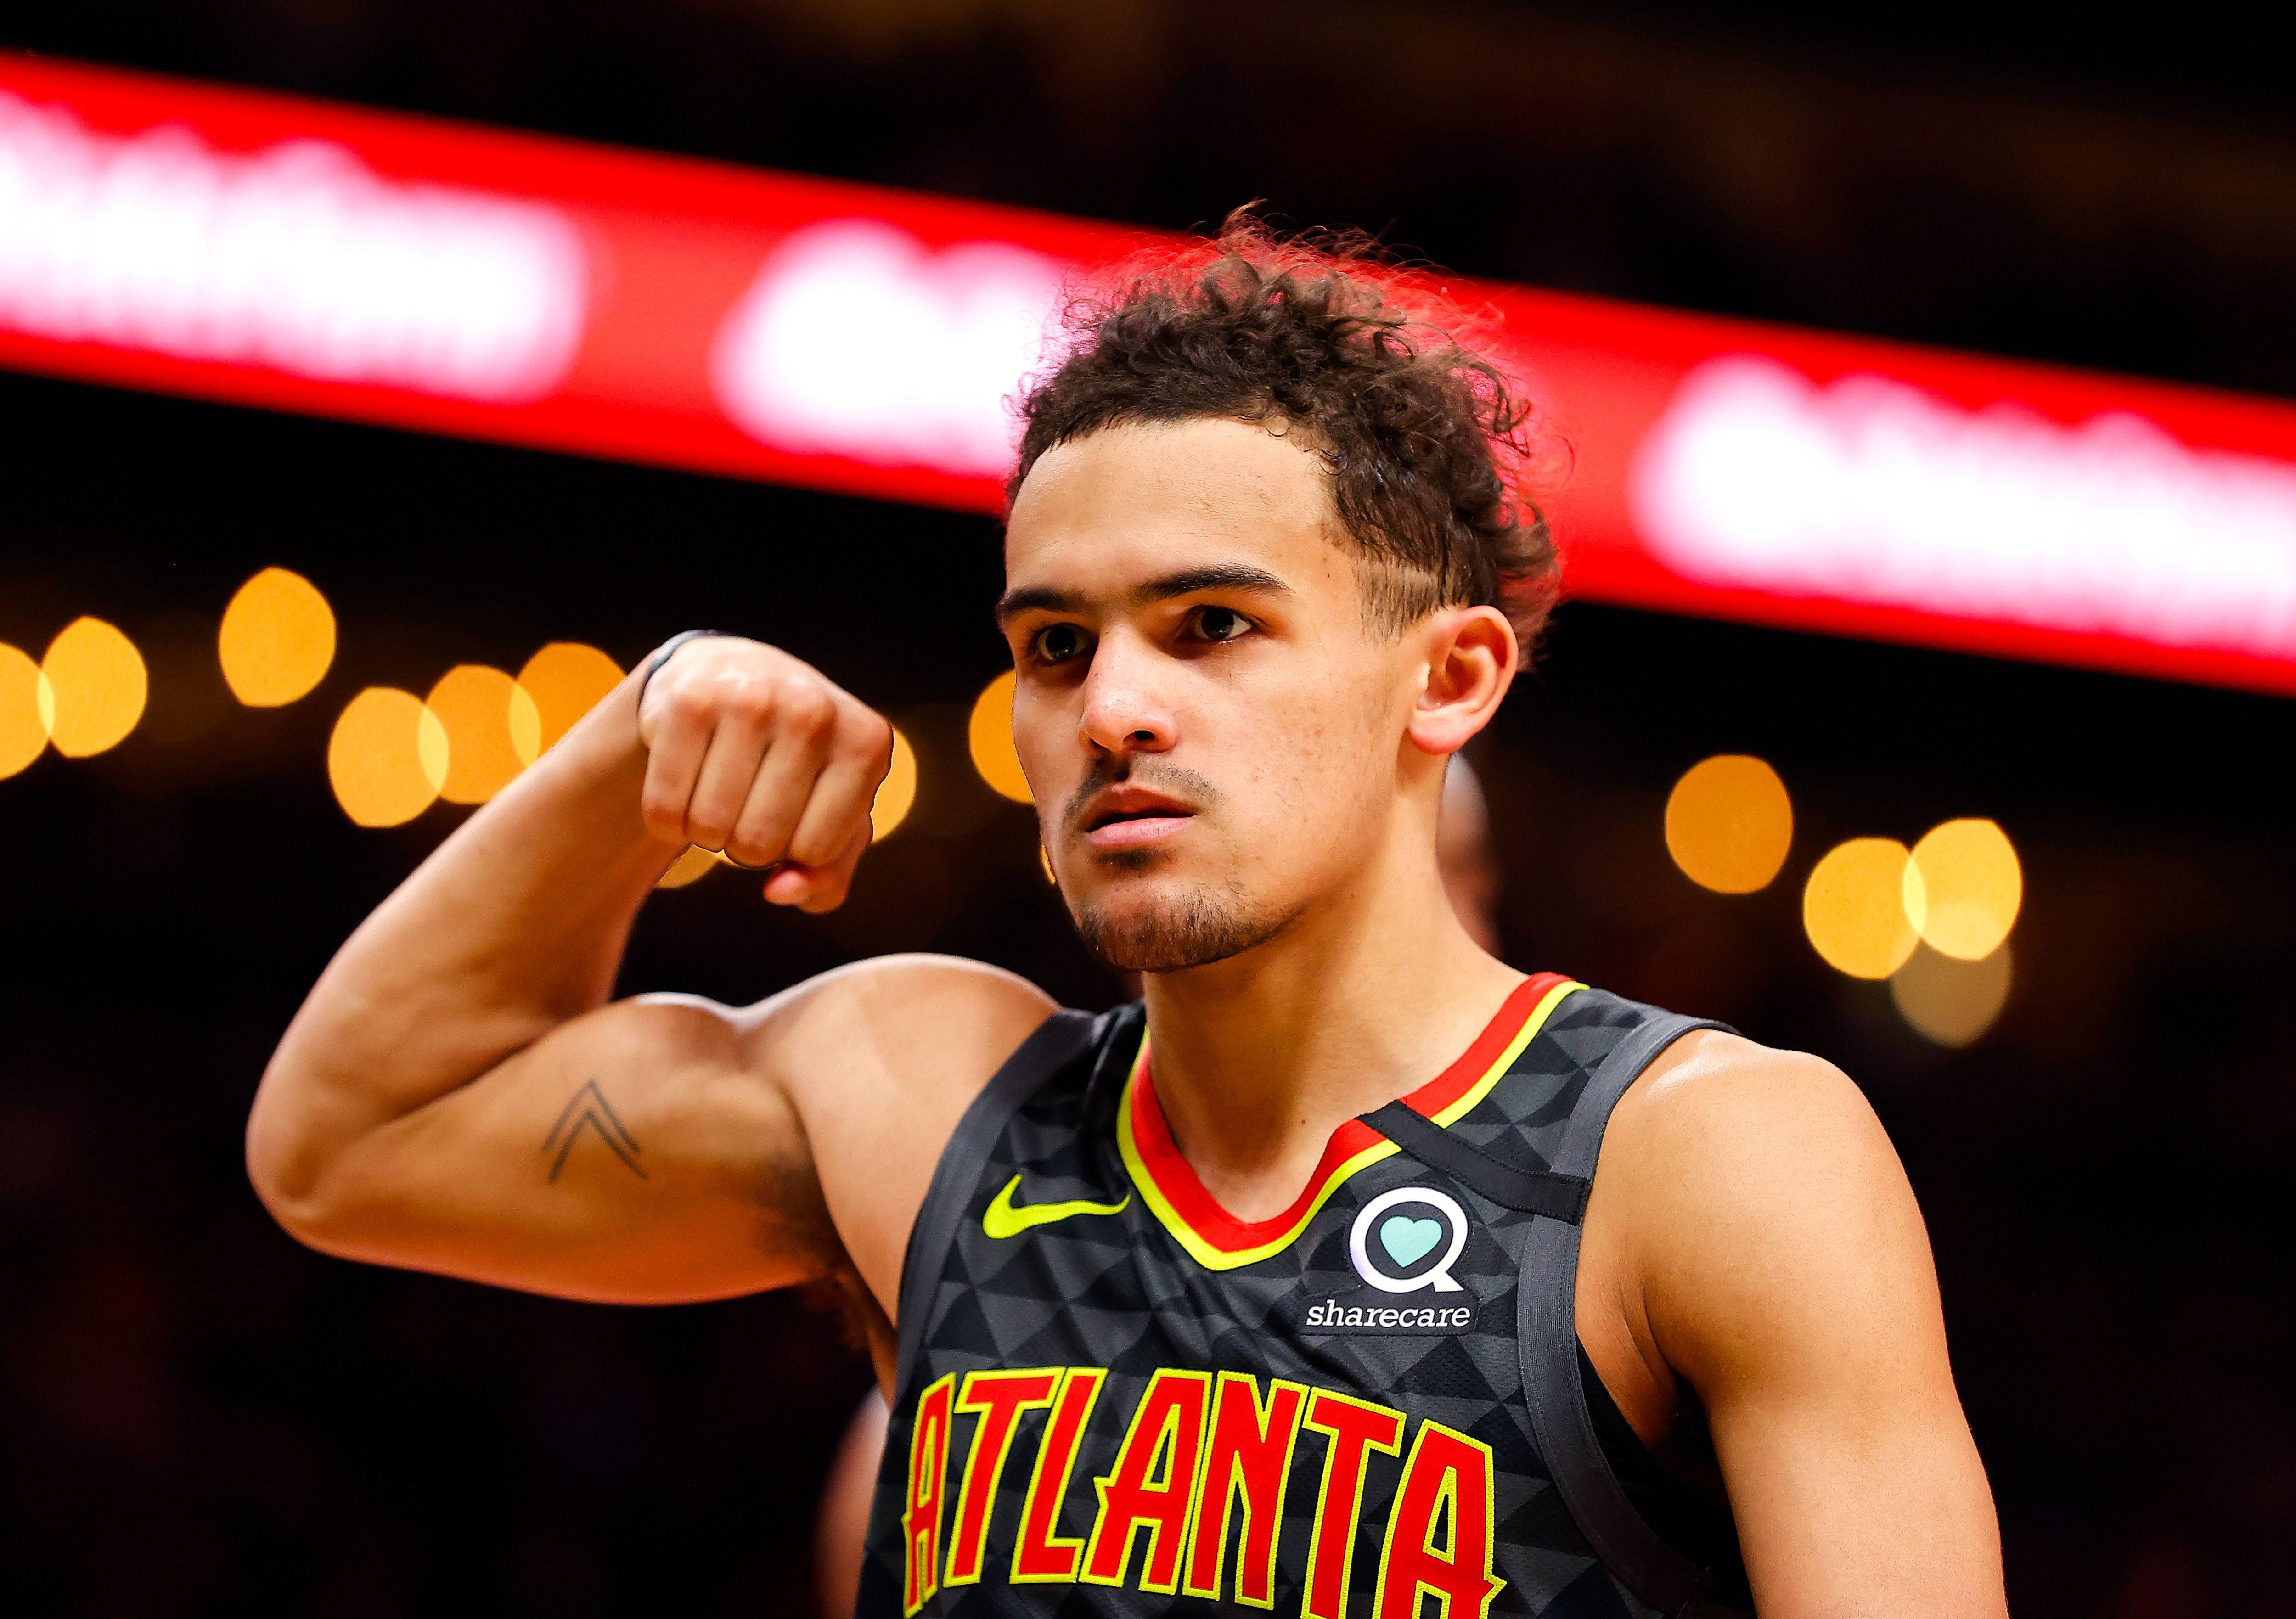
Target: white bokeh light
856,339
297,257
1869,490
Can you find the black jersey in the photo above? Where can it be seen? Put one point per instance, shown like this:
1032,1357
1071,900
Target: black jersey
1114,1398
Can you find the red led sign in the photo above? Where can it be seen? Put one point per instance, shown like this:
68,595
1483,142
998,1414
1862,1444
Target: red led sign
306,256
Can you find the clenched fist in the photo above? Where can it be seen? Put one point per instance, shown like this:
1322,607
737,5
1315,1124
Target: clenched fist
757,754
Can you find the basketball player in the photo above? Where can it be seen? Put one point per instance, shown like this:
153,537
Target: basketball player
1351,1270
1471,879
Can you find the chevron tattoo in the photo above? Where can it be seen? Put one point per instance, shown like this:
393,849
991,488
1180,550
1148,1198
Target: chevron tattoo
590,1108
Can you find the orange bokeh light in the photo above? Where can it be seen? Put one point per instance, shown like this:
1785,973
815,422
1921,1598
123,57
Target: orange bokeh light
98,687
1729,824
1971,886
563,682
278,639
386,757
990,737
897,793
25,705
474,703
1853,907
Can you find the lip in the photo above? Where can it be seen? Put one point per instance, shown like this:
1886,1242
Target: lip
1132,817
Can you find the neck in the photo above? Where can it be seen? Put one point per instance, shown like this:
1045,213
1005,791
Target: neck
1367,995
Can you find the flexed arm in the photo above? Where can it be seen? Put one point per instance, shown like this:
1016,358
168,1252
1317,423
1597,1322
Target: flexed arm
459,1094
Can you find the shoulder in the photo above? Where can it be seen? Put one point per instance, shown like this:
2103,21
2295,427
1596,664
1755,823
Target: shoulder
941,1014
1752,1187
1718,1103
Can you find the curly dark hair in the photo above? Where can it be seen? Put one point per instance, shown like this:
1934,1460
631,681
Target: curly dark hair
1426,440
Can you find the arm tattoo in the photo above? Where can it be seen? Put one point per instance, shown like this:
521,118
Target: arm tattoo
590,1107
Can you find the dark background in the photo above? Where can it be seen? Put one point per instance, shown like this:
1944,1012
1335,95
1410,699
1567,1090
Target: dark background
197,1417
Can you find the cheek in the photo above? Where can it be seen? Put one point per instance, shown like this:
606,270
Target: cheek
1043,738
1047,775
1324,769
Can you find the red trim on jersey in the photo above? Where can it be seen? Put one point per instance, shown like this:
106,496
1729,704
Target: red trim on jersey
1177,1179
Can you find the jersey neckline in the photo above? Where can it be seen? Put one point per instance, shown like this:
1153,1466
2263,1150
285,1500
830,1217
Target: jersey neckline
1219,1241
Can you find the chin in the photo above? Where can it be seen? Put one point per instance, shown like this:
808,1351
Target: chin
1147,926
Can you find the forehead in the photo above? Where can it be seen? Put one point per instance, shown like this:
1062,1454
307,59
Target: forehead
1133,502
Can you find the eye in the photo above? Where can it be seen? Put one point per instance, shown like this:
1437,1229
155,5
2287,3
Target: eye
1219,623
1059,642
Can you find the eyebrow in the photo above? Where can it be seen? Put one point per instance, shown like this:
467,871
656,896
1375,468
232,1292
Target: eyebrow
1221,575
1187,582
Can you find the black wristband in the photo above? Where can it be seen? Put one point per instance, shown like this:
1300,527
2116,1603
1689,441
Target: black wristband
667,649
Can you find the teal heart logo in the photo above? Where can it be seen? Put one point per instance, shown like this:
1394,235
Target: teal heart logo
1407,1240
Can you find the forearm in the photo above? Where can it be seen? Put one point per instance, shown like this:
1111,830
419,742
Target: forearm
514,925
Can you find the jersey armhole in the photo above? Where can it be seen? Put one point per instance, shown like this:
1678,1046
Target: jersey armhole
1546,1338
1055,1043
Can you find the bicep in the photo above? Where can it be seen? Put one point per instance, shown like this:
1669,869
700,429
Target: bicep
629,1155
1788,1276
665,1150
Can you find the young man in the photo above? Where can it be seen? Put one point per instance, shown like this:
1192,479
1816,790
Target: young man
1288,1288
1471,879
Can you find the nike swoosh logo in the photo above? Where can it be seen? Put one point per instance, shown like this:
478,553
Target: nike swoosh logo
1003,1219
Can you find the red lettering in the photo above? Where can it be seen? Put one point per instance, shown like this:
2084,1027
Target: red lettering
1153,1485
997,1398
1355,1428
1041,1555
1246,1462
921,1515
1440,1536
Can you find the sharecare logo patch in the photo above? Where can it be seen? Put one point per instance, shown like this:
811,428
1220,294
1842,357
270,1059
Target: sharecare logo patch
1364,1312
1408,1240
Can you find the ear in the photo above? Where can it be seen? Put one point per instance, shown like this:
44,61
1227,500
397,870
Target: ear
1469,661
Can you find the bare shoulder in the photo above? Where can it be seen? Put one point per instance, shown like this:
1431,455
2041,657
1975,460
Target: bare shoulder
879,1060
1717,1106
1755,1192
939,1017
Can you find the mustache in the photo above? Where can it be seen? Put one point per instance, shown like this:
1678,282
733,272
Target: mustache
1137,769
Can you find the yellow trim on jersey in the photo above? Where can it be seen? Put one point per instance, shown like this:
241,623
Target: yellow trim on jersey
1213,1258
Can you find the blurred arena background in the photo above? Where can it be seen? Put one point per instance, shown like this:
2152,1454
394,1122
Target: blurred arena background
197,1417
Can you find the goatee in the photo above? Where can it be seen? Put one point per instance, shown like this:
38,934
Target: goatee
1193,930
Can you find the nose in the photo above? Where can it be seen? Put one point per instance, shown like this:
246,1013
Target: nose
1125,712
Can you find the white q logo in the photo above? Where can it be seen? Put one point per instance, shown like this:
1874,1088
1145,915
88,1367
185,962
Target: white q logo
1404,1239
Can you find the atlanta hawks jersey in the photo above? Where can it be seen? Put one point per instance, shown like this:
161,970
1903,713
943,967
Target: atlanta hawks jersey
1114,1398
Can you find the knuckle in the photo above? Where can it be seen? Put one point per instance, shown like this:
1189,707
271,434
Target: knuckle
762,834
752,701
810,711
